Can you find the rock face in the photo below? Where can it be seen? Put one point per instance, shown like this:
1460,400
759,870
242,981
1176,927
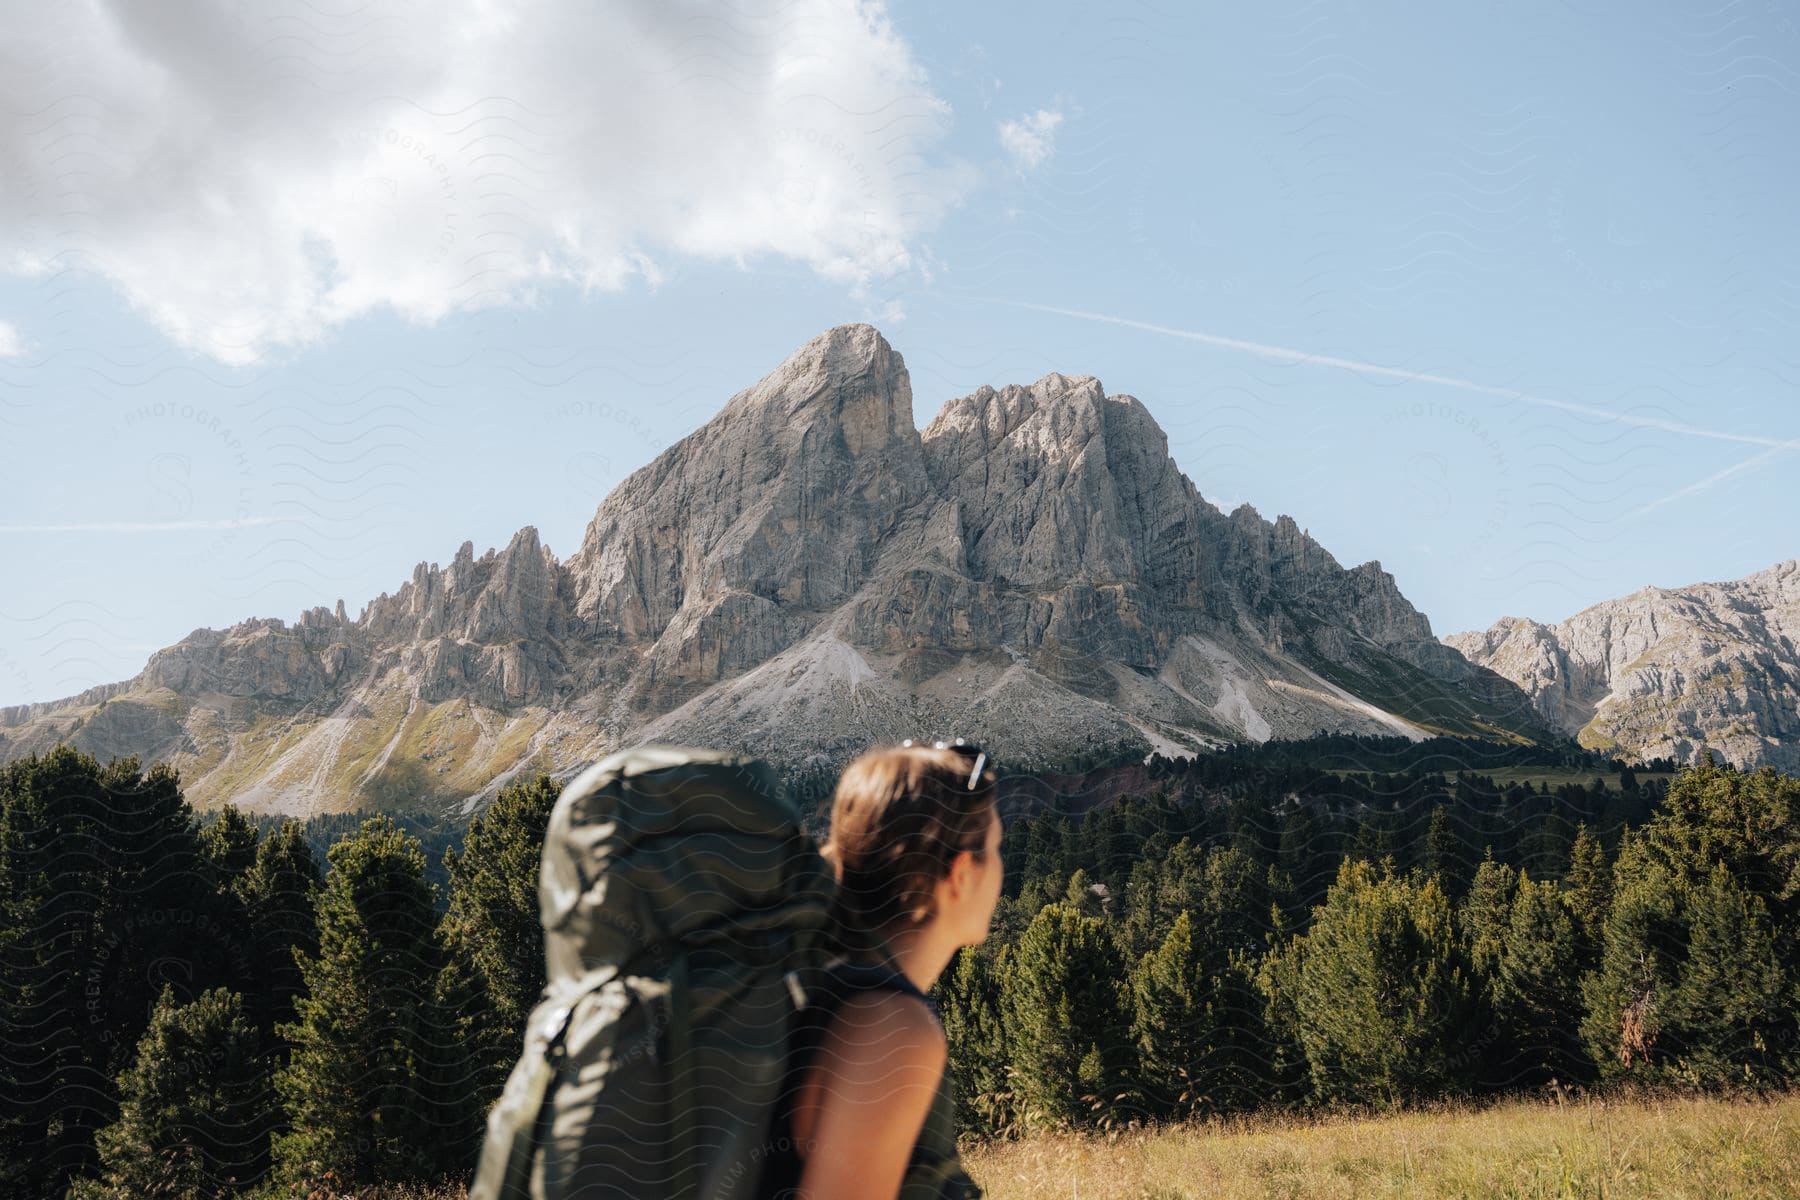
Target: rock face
802,576
1663,672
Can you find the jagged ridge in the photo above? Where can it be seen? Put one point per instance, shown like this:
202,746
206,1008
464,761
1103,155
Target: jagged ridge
1663,672
805,574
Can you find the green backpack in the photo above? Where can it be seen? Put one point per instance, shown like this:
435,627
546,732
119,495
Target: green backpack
685,914
690,968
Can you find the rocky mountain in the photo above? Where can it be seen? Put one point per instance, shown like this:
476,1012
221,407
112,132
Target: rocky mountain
804,575
1665,671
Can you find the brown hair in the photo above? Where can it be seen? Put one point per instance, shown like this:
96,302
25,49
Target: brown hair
899,817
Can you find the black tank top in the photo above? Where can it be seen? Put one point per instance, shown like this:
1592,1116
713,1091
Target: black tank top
933,1172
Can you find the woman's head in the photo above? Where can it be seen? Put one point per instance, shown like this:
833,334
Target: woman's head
913,843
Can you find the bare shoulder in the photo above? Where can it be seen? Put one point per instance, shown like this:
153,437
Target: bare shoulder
882,1046
887,1027
880,1063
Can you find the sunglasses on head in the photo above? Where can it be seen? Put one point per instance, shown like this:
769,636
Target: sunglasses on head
969,750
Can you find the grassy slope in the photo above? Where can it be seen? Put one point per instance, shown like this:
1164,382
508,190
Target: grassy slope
1686,1147
439,751
1429,702
1703,1148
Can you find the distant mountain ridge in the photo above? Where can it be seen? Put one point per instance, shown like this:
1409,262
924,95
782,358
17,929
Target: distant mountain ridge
806,574
1665,671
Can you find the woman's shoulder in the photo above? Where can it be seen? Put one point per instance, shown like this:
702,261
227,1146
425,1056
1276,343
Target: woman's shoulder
874,1032
884,1047
889,1027
879,1069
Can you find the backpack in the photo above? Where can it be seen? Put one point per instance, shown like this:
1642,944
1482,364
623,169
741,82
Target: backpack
685,916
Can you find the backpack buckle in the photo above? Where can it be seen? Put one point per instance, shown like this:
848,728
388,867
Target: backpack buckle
795,988
554,1031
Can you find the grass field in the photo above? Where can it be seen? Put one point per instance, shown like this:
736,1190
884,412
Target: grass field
1679,1148
1675,1147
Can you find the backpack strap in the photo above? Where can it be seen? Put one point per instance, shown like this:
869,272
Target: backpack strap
516,1124
848,976
681,1113
671,994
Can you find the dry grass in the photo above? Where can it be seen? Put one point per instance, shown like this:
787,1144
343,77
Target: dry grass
1674,1148
1703,1148
397,1191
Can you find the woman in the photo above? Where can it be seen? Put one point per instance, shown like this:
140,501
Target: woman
915,844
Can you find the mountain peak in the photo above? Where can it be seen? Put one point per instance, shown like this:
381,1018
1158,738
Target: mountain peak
845,349
785,496
1056,385
805,573
1663,671
848,375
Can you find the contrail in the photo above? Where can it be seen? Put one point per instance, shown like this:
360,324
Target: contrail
147,526
1701,485
1450,381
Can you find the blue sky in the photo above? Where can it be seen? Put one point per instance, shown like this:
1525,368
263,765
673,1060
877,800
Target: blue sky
1506,297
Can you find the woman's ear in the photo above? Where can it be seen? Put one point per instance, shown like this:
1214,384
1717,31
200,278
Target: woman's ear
962,873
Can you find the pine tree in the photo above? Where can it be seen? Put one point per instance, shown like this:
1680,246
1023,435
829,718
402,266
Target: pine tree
1697,977
493,910
1171,1022
494,970
357,1087
1587,886
1303,854
1749,821
1374,834
1139,929
1158,890
103,898
1047,848
1065,1017
228,842
1486,912
1014,913
1626,996
1288,1078
1230,896
1445,854
467,1061
195,1108
1226,892
1236,1071
1384,993
1111,843
159,919
1196,1024
968,996
37,1040
1484,919
1545,846
279,893
1535,989
1081,896
1731,1017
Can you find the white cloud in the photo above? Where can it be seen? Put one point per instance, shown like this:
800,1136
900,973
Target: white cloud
1030,140
252,175
12,342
